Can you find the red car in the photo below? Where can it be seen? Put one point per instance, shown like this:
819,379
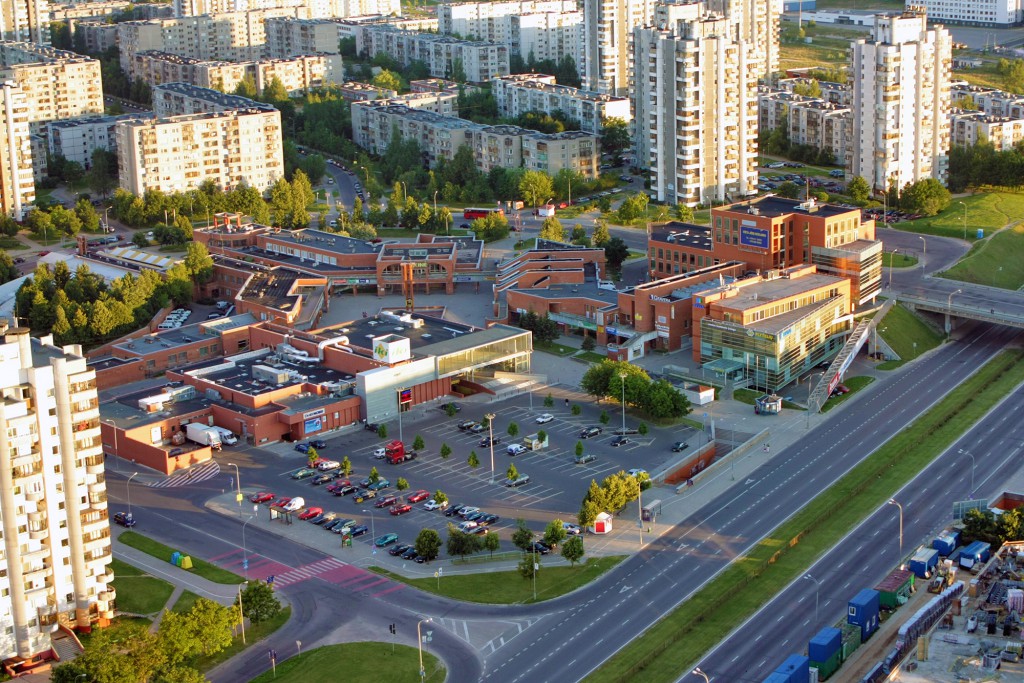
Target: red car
310,513
385,502
280,502
422,494
262,497
400,509
340,484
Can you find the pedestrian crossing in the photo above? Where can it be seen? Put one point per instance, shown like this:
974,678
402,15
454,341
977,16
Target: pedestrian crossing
193,475
308,571
330,569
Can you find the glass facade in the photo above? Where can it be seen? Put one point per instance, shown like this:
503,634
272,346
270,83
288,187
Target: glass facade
511,355
862,268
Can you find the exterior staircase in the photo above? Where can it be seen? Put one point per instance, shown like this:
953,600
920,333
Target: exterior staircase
65,646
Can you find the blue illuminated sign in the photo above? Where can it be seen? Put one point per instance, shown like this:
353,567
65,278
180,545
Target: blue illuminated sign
753,237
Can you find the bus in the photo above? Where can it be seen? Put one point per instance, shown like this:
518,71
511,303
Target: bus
473,214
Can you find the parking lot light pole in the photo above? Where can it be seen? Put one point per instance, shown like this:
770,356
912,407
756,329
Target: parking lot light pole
238,488
971,456
622,376
419,642
490,431
817,590
128,491
892,501
245,552
373,525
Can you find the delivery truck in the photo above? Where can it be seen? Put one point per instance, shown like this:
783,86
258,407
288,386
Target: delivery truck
203,434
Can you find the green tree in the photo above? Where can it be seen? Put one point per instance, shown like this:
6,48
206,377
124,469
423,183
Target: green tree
198,262
513,429
450,410
402,484
259,603
302,189
446,450
492,543
346,466
418,444
274,91
512,473
858,189
788,189
683,213
522,537
246,87
642,429
588,512
615,253
549,401
588,343
552,229
528,566
542,436
282,203
382,431
440,498
312,456
536,188
633,207
926,197
554,533
1012,72
601,235
604,418
428,544
207,628
461,543
87,216
576,409
579,448
102,175
614,135
8,271
374,476
473,460
579,236
572,550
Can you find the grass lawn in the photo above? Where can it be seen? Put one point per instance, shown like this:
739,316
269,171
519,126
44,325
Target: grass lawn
591,357
997,261
362,663
989,211
163,552
137,591
633,255
822,52
906,334
676,643
174,248
750,396
554,347
510,588
184,602
525,245
253,634
897,260
854,384
48,242
10,243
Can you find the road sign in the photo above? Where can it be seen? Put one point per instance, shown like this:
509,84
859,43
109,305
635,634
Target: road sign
270,579
245,563
238,497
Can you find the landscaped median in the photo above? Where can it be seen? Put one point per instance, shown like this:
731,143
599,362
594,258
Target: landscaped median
162,552
509,587
677,642
360,662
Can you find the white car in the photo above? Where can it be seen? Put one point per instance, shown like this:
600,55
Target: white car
466,512
379,454
545,418
326,465
636,472
467,526
516,449
295,504
571,529
434,505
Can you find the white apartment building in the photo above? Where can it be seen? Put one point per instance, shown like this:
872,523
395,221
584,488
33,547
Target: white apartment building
178,153
178,99
53,496
993,13
25,20
773,107
97,34
57,84
968,128
989,100
287,36
481,61
900,102
575,150
297,74
695,112
77,139
607,50
549,35
317,8
756,23
17,186
522,93
821,125
440,137
489,20
347,27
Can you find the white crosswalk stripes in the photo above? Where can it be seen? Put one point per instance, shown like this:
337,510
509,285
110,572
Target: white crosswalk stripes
308,571
207,470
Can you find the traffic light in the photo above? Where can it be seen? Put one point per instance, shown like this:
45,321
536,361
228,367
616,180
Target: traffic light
392,629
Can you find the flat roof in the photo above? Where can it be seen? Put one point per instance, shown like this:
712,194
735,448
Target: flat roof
107,362
775,206
586,290
478,338
361,331
235,373
683,234
273,289
166,339
551,245
125,413
323,241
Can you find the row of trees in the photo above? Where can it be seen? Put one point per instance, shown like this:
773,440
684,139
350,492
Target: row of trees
56,221
981,164
982,525
657,398
615,492
544,328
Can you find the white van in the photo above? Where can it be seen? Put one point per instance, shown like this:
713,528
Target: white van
226,436
165,325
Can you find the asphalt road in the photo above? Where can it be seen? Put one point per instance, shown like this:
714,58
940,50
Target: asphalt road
871,551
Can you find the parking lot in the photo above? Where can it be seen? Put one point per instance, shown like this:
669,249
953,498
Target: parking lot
557,484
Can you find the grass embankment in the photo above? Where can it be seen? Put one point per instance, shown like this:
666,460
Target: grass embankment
996,262
907,335
676,643
854,384
989,211
159,550
184,602
137,591
590,357
11,243
360,662
510,588
897,260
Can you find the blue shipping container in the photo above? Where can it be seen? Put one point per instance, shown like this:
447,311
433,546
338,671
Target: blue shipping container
946,542
796,669
776,678
923,562
863,611
974,553
822,646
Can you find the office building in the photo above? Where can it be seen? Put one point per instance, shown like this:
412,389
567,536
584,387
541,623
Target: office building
178,153
25,20
523,93
17,187
900,100
57,84
695,112
988,13
480,61
76,139
53,496
607,35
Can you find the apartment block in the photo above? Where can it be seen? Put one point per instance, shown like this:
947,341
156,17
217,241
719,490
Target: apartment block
97,34
696,115
490,20
987,100
439,136
297,74
900,102
968,128
607,42
287,36
348,27
547,35
86,10
56,541
481,61
25,20
17,186
773,107
357,91
756,24
821,125
575,150
316,8
57,84
76,139
836,93
521,93
178,153
444,103
988,13
178,99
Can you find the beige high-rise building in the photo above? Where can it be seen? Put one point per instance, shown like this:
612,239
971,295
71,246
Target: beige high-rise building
695,112
178,153
899,128
57,84
756,23
53,496
27,20
607,34
490,20
17,187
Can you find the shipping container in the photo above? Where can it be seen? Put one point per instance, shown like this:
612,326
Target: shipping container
828,666
946,542
862,611
923,562
796,669
825,644
895,589
776,678
975,553
851,640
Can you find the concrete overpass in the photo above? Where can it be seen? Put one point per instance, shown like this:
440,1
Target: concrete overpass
964,300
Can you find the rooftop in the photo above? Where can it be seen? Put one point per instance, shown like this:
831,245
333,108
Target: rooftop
323,241
775,207
421,115
433,37
456,343
587,290
761,292
138,257
273,371
683,234
275,289
220,99
125,412
167,339
531,82
362,330
98,120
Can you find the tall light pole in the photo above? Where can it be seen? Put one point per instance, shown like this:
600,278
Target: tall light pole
810,382
128,491
435,205
892,259
113,427
400,390
949,311
698,672
245,552
238,485
971,456
241,613
640,510
817,590
892,501
373,527
490,432
965,219
419,641
622,376
924,253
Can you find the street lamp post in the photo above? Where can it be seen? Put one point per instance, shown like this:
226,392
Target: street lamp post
245,552
817,590
241,613
238,485
490,432
965,218
640,510
924,253
698,672
419,641
400,390
971,456
892,501
113,426
128,491
892,260
373,524
622,376
435,205
949,310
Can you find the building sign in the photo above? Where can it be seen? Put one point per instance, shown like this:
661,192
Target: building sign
698,302
761,335
462,278
312,426
355,281
661,328
391,349
313,413
405,395
753,237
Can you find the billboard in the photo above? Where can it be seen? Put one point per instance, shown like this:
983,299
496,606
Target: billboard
753,237
405,395
312,426
391,349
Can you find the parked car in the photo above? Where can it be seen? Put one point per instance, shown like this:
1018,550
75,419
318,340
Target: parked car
591,431
400,509
474,516
467,526
345,490
280,502
294,504
477,428
304,473
518,481
487,441
620,441
679,446
330,524
488,518
385,502
302,447
379,453
328,465
538,547
262,497
453,510
416,497
379,485
364,495
321,479
319,519
584,458
359,530
515,449
571,529
544,419
344,527
434,505
466,511
466,424
371,427
636,472
318,444
338,484
385,540
453,404
125,519
310,513
399,549
409,553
